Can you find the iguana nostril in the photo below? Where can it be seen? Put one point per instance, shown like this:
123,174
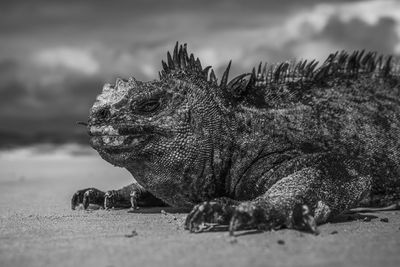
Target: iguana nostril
104,113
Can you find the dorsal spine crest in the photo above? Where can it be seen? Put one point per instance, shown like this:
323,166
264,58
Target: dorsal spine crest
339,65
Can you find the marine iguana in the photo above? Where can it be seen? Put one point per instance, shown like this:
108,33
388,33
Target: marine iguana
288,145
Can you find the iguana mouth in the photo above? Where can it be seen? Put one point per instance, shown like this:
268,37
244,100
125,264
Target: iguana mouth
117,139
121,130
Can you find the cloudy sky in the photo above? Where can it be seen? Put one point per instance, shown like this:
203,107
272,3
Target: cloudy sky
55,55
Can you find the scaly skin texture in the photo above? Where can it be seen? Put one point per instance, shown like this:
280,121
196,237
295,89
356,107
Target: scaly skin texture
291,145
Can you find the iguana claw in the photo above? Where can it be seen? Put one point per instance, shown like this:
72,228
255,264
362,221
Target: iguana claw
304,220
86,197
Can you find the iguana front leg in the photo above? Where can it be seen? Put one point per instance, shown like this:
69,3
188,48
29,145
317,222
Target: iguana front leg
318,188
130,196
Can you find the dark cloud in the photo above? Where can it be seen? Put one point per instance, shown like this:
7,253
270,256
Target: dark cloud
74,96
11,89
10,94
357,34
109,19
8,70
7,66
33,113
354,34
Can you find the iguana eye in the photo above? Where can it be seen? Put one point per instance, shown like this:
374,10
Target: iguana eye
149,106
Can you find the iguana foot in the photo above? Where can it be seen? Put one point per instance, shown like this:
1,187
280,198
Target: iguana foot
87,196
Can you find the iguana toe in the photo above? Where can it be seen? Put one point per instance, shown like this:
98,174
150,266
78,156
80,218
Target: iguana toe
304,220
109,199
75,200
204,214
248,215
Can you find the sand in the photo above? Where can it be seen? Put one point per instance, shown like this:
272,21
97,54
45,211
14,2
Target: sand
37,228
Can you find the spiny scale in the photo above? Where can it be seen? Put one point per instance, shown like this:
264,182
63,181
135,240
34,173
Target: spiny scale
182,61
224,79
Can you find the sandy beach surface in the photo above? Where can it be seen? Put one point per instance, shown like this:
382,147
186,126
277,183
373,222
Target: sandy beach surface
38,228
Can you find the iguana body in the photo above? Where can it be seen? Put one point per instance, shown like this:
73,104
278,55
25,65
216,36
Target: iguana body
275,147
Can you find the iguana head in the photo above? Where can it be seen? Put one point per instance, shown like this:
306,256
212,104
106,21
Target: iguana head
166,132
